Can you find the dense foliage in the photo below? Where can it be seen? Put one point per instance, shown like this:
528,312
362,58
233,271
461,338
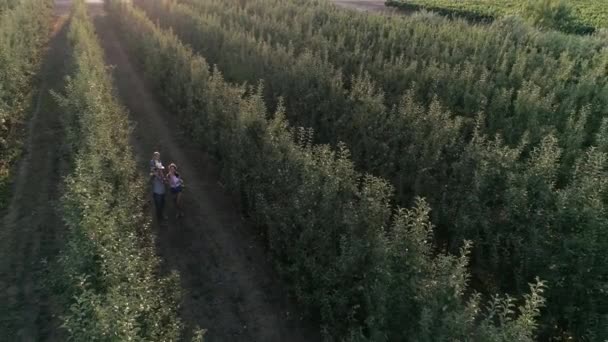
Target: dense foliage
23,31
108,266
8,4
501,128
550,14
587,14
368,272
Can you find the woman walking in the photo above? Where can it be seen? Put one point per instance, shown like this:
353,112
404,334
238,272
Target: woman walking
176,184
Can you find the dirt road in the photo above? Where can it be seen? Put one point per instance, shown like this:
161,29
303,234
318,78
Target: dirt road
364,5
228,282
31,231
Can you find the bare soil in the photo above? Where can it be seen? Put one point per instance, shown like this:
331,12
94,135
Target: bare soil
31,230
229,286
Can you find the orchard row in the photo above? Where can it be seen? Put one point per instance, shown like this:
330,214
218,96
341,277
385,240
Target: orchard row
501,128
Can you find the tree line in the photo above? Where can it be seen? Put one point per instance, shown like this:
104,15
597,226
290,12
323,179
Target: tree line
24,29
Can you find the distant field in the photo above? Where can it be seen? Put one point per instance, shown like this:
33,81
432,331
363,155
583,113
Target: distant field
588,12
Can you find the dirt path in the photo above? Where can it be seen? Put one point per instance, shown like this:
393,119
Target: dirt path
229,286
364,5
31,231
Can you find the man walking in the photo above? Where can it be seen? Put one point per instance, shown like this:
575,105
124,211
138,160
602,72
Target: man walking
158,190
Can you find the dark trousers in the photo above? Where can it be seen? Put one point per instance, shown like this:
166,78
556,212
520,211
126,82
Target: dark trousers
159,203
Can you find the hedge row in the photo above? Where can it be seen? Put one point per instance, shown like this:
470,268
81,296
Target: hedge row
108,268
510,153
24,29
467,68
367,272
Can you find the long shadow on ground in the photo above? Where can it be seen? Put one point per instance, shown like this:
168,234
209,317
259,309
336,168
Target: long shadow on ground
31,231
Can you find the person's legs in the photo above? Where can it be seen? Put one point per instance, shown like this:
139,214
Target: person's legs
162,206
159,203
177,201
178,204
156,204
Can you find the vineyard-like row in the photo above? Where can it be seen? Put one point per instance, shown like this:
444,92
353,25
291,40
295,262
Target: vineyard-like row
587,13
448,59
501,128
23,31
368,272
108,267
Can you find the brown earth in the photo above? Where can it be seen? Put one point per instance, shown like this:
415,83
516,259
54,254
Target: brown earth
229,286
31,231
